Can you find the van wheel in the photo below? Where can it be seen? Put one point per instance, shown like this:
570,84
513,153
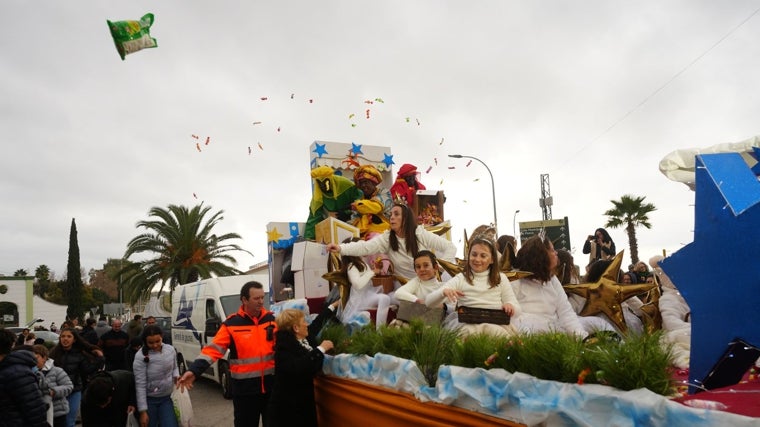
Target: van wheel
181,364
224,380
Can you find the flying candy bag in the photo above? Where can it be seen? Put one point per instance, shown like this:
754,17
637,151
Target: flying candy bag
131,36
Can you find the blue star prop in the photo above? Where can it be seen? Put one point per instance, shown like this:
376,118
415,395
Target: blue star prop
756,154
388,160
319,149
356,149
718,273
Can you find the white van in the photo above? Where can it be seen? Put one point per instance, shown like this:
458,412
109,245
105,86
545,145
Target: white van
198,310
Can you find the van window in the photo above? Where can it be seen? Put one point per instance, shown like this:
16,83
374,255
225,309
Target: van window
211,310
230,304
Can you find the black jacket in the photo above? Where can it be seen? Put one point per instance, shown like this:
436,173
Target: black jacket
292,401
21,401
78,365
115,414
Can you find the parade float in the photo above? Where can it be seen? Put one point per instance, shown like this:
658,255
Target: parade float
384,389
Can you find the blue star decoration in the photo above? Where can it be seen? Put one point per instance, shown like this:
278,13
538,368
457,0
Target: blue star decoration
356,149
388,160
718,273
756,154
319,149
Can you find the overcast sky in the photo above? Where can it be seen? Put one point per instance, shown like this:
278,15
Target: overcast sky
565,88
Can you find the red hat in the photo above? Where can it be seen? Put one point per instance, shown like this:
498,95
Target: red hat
407,169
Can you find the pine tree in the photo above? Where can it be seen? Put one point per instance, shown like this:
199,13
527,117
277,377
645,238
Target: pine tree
74,285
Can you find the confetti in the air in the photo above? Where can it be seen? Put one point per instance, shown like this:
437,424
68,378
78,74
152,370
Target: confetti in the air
353,125
476,180
311,101
441,143
367,113
208,139
195,195
351,116
278,128
260,147
468,164
256,123
194,136
407,119
380,100
369,101
249,150
263,98
418,121
436,160
198,146
429,169
292,95
452,167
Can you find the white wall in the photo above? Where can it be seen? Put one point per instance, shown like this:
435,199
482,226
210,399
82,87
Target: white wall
20,292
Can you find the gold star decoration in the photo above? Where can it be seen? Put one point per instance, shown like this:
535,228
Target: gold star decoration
652,317
607,295
273,235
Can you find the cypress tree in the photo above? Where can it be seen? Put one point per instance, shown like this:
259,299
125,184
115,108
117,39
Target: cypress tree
74,285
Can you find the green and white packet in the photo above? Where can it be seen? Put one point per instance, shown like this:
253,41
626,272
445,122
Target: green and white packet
131,36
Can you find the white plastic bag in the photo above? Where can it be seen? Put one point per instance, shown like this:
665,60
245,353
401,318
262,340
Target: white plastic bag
183,408
131,420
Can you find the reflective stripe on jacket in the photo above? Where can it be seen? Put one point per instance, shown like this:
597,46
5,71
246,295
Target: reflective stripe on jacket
251,345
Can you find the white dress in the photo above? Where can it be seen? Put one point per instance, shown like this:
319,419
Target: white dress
545,308
364,296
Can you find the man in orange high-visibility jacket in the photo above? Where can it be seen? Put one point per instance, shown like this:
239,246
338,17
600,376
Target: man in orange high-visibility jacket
249,335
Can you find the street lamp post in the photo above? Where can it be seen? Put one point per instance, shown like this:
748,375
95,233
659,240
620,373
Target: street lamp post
493,188
514,228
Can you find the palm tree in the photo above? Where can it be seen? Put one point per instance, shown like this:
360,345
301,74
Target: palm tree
185,250
631,212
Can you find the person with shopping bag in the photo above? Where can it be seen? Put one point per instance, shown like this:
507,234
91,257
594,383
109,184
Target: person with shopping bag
156,374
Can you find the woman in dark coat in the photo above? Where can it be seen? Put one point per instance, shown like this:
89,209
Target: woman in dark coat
80,360
297,359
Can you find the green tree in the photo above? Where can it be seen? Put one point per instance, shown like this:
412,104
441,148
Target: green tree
184,249
630,212
42,284
20,273
74,289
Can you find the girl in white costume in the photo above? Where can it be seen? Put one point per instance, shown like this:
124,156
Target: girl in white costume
363,295
415,290
480,285
543,300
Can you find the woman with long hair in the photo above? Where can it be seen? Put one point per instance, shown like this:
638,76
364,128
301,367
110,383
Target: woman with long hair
401,243
480,285
599,246
545,306
80,360
156,373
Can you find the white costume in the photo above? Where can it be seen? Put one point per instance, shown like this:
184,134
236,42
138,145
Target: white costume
416,289
478,295
403,262
364,296
545,308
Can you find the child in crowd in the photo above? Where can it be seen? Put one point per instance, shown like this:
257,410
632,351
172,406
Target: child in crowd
57,385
